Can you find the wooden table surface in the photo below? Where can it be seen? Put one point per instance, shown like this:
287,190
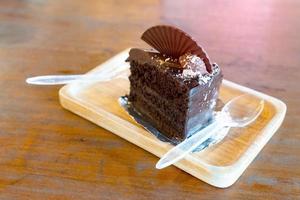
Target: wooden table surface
47,152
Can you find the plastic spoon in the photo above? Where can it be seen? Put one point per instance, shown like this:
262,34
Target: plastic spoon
104,75
238,112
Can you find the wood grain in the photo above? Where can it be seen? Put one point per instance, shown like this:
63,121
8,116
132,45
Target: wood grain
220,165
50,153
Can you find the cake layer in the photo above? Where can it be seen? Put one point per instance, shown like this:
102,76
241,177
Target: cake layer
169,107
168,127
181,127
179,120
160,103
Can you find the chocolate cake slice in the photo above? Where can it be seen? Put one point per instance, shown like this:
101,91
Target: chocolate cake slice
176,94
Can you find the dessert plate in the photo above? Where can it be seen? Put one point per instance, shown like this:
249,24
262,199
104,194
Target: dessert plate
220,165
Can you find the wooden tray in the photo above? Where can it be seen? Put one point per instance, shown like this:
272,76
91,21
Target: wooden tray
220,165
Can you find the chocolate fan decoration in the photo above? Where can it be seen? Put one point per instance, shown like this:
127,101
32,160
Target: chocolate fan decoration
174,42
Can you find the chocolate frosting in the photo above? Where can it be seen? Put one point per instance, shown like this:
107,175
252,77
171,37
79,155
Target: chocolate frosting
152,58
